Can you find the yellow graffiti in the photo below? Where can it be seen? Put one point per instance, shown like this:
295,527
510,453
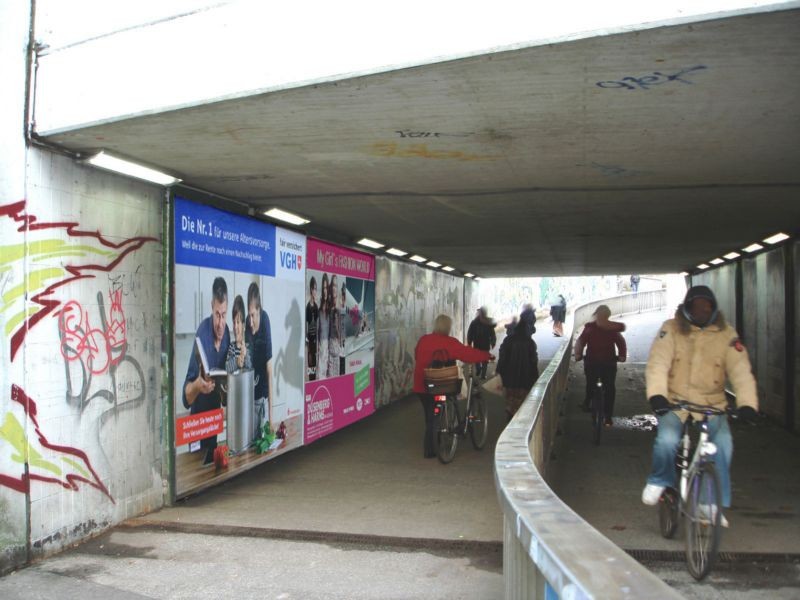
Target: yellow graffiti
422,151
47,248
77,467
12,432
33,281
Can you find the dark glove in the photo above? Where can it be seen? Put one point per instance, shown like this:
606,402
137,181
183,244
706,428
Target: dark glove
747,414
659,404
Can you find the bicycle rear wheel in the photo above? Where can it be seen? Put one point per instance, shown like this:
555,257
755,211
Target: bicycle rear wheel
703,513
478,423
668,512
445,437
597,414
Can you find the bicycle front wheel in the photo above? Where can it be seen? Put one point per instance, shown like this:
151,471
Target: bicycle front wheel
597,414
703,512
446,426
478,423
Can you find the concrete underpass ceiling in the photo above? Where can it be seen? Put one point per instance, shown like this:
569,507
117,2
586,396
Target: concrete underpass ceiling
646,151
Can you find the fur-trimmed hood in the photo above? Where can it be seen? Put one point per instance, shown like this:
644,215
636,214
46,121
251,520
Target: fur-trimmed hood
685,326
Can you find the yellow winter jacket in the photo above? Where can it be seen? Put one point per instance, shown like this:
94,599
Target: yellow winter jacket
690,363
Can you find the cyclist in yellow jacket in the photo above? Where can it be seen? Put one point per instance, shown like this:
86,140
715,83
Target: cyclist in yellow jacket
691,358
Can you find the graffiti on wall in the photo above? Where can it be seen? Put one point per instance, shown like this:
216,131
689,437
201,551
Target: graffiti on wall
45,461
93,339
645,82
408,299
82,254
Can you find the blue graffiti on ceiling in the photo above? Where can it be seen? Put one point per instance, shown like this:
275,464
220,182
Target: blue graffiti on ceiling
645,82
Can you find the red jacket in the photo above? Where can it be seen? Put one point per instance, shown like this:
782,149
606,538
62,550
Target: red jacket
429,344
600,342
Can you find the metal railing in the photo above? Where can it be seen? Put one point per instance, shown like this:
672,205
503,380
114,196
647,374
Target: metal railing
548,549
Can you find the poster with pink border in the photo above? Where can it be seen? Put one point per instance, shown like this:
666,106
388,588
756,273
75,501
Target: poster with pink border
340,338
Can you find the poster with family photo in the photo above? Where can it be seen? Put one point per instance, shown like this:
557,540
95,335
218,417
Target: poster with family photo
340,339
238,346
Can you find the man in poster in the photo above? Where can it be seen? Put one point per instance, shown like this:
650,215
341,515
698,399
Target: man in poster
259,335
312,317
200,393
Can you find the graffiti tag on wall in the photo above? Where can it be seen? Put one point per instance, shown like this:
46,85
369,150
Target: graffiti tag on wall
645,82
47,462
82,255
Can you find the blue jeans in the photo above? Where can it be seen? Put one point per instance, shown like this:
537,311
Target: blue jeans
666,445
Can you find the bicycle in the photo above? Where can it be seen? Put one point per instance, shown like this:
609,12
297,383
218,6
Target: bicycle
699,496
450,424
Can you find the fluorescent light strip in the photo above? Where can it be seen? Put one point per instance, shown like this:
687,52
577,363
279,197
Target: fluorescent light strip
418,258
732,255
469,275
702,266
370,243
396,252
478,279
683,274
448,269
103,160
716,261
778,237
754,247
285,216
433,263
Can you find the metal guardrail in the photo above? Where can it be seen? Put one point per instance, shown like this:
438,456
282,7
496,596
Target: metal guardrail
549,551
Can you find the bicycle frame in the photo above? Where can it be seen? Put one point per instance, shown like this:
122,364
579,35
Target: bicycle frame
704,449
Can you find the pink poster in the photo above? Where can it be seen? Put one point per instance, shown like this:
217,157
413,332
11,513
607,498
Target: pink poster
340,338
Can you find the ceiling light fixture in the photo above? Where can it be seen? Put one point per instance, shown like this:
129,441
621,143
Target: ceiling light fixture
448,269
433,263
732,255
469,275
683,274
286,217
370,243
109,162
478,278
754,247
396,252
778,237
418,258
716,261
702,266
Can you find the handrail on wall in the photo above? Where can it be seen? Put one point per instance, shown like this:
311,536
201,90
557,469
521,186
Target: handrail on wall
545,543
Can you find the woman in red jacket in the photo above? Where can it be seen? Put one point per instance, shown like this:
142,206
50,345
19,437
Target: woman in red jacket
437,343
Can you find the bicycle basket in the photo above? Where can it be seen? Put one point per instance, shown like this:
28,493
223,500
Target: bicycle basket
441,377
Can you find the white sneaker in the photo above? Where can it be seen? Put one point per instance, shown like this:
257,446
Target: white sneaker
652,493
709,511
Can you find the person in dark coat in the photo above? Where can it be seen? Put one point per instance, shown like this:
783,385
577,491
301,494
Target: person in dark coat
481,335
528,318
558,311
518,366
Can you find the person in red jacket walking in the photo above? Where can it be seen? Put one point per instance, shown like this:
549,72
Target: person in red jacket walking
436,344
604,347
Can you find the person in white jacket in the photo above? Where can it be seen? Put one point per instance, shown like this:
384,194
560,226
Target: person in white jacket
691,358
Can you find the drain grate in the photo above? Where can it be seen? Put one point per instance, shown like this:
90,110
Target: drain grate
723,557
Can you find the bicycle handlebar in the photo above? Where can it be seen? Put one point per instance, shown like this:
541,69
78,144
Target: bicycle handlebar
698,408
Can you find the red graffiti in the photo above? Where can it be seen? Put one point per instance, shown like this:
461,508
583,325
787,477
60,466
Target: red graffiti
98,349
70,481
16,211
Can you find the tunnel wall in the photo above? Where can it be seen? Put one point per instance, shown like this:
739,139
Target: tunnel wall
768,304
407,299
80,336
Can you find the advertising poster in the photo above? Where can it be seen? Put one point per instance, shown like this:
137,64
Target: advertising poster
239,296
340,338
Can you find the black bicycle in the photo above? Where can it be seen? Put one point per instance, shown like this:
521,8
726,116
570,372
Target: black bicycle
450,423
699,497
